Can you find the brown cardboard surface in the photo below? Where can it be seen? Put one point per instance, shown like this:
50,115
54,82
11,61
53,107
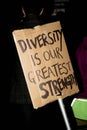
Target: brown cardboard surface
46,63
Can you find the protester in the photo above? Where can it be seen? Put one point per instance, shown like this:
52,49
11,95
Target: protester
21,112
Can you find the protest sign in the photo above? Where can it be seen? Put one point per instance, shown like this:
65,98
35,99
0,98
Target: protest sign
46,63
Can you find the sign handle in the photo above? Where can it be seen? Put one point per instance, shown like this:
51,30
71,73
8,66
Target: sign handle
60,101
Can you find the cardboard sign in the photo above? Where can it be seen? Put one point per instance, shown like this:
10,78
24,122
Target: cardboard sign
46,63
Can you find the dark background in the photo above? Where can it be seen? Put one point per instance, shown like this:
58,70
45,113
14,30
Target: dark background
72,14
